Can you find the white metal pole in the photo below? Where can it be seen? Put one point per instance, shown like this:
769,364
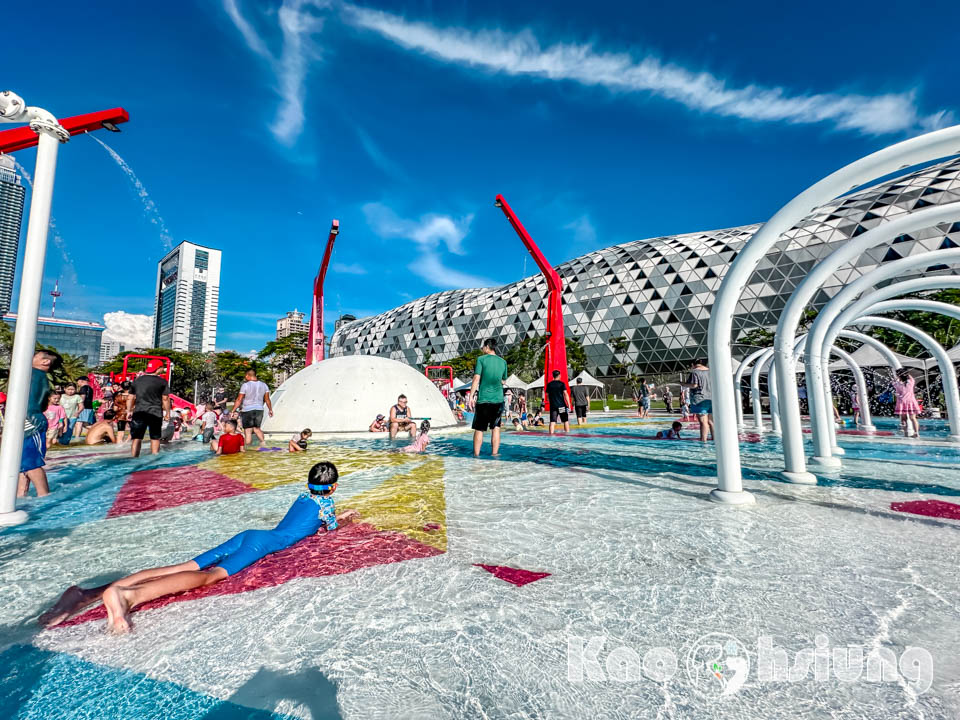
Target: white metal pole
28,309
758,370
941,143
738,377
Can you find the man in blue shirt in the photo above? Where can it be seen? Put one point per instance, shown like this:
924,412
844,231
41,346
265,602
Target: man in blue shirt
35,426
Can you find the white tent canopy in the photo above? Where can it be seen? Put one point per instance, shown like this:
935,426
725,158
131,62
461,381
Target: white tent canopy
866,356
515,383
588,380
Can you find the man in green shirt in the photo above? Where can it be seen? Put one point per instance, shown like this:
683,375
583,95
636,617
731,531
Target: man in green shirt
486,397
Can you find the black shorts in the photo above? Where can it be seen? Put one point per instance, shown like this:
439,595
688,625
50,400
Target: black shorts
251,418
208,434
581,410
560,413
143,421
487,416
121,425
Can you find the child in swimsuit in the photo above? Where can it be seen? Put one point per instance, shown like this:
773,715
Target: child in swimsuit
672,434
312,512
423,439
298,443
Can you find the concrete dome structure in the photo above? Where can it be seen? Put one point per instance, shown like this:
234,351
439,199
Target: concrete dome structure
345,394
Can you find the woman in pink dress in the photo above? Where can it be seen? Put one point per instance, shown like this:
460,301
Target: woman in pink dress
907,406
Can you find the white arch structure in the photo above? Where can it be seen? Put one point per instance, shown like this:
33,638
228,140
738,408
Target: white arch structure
764,358
822,435
794,463
939,144
840,312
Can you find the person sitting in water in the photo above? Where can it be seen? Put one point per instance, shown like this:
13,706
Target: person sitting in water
379,425
102,432
672,434
208,425
423,439
298,443
231,442
537,420
311,513
401,418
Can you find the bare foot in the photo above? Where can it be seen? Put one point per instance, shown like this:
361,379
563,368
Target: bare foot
73,600
118,610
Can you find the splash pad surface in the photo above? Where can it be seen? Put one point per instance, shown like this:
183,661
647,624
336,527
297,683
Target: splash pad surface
461,592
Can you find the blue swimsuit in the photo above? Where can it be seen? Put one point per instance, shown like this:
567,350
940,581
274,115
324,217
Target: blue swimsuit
305,517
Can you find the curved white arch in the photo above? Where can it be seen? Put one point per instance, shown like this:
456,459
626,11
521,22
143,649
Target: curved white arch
846,317
794,461
816,338
738,378
758,370
941,143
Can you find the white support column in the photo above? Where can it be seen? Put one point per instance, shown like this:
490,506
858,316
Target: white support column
758,369
28,309
941,143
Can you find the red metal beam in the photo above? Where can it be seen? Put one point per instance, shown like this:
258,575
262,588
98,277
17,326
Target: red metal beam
20,138
315,342
556,351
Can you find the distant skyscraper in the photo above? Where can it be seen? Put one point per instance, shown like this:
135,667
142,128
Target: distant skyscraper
109,349
291,323
11,214
188,295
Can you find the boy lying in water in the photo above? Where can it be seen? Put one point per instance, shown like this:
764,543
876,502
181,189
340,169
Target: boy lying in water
312,512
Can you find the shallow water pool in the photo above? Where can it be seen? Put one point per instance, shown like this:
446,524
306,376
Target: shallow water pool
574,576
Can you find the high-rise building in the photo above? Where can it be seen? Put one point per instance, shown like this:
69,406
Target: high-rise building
11,215
75,337
109,349
290,324
188,295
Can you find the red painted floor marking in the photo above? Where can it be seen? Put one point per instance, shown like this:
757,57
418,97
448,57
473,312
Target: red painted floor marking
351,548
930,508
514,576
169,487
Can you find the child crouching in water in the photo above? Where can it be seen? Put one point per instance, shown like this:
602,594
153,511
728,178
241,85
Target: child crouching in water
298,443
311,513
672,434
423,439
231,441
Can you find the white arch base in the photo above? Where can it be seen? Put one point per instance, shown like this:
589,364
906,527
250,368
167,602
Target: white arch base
15,517
826,463
725,497
799,478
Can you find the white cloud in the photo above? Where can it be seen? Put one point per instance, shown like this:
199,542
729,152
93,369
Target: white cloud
584,233
351,269
521,54
131,331
298,24
377,157
431,233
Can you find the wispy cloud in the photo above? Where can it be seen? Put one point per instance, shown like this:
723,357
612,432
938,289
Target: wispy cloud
377,156
431,233
298,24
584,233
521,54
348,269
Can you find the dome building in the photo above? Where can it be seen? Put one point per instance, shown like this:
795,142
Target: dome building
658,293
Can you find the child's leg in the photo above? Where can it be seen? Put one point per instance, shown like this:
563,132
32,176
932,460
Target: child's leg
120,600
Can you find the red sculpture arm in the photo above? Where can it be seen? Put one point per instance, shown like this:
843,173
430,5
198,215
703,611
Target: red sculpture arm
556,351
315,342
19,138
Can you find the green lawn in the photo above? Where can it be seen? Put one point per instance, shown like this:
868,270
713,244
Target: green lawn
615,404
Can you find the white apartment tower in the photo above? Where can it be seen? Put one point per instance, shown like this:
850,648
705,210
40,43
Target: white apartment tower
291,323
188,296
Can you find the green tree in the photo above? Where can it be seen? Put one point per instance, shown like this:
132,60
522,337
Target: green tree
286,355
620,366
945,330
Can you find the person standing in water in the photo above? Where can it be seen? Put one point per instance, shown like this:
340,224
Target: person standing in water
556,392
581,400
701,397
148,405
486,397
907,406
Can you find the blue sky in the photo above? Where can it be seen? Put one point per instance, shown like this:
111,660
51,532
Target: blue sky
255,122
